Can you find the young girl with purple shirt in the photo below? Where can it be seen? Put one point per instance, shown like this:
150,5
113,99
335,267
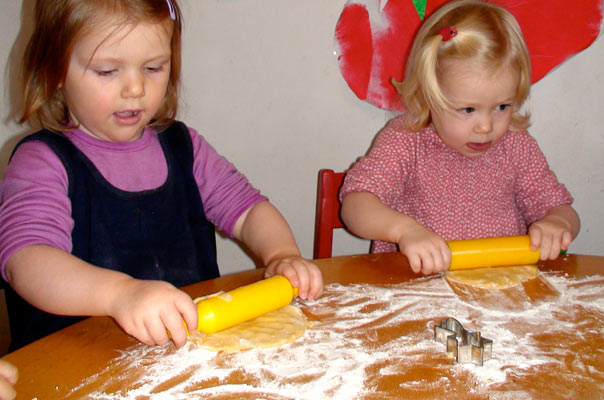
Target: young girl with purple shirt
112,206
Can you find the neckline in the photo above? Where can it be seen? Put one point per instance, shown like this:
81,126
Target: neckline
77,135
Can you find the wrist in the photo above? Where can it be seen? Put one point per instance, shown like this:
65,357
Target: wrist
402,227
112,293
274,259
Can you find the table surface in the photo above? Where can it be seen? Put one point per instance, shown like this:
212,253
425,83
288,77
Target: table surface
53,366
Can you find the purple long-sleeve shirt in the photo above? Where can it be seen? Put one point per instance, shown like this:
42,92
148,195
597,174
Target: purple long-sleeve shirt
35,207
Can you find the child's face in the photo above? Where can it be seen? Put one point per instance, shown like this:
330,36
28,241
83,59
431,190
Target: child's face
117,80
482,104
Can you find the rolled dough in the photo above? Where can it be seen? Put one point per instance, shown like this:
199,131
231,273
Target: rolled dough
494,277
273,329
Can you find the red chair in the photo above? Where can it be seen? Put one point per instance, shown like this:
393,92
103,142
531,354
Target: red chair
327,216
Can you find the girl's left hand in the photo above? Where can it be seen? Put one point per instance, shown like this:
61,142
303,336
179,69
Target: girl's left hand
550,234
300,272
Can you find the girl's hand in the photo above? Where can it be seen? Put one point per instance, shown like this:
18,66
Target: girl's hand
550,234
300,272
8,377
555,231
426,251
153,311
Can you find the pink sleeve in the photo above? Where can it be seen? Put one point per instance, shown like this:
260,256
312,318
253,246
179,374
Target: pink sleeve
383,171
538,189
35,207
225,192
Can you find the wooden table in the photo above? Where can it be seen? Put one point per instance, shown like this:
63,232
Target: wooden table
54,365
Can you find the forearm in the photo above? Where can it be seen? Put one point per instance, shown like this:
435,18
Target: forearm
266,233
366,216
57,282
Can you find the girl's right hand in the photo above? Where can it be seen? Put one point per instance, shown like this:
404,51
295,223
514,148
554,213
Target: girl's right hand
426,251
153,311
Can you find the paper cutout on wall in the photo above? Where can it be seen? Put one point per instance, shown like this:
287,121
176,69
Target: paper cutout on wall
420,6
374,37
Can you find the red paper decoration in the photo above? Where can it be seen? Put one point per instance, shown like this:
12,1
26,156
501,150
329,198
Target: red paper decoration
373,44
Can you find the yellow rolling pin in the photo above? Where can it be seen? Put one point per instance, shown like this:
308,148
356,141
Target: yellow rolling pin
244,303
492,252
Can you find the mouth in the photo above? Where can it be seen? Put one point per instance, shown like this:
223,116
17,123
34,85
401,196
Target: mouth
127,113
128,117
479,146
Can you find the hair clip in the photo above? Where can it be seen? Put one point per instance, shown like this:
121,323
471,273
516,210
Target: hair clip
171,8
447,33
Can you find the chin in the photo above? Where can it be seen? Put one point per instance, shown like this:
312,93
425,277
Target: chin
473,154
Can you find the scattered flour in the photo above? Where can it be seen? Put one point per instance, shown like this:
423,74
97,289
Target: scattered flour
370,341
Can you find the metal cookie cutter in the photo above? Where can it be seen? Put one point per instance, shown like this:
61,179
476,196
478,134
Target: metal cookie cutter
465,346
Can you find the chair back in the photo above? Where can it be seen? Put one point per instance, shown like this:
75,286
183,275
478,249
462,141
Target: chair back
327,215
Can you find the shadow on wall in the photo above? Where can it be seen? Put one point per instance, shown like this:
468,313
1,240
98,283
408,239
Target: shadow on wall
12,78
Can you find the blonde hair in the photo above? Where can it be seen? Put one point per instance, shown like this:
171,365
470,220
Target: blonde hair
59,24
487,35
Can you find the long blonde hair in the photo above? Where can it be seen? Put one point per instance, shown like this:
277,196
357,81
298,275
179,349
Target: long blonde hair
487,35
59,24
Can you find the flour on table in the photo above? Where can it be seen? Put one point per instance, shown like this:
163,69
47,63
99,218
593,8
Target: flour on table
378,342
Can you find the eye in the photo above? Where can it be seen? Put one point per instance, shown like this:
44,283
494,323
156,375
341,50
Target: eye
105,72
467,110
503,107
158,68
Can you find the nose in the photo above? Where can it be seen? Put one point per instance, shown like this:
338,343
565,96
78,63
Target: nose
484,124
133,85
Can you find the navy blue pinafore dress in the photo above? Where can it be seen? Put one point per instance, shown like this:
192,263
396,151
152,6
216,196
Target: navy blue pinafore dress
159,234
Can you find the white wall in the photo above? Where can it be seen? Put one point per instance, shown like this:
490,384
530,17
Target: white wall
262,84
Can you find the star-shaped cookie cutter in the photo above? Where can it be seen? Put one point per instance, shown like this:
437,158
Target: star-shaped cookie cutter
465,346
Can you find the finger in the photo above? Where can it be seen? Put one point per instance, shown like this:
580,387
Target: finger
9,371
157,330
316,282
7,391
288,270
142,335
535,235
567,239
446,255
173,324
137,330
439,260
555,248
415,262
188,310
546,247
290,273
427,263
303,276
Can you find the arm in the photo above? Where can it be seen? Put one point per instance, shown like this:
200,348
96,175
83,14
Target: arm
35,244
365,215
237,208
70,286
543,201
555,231
267,234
